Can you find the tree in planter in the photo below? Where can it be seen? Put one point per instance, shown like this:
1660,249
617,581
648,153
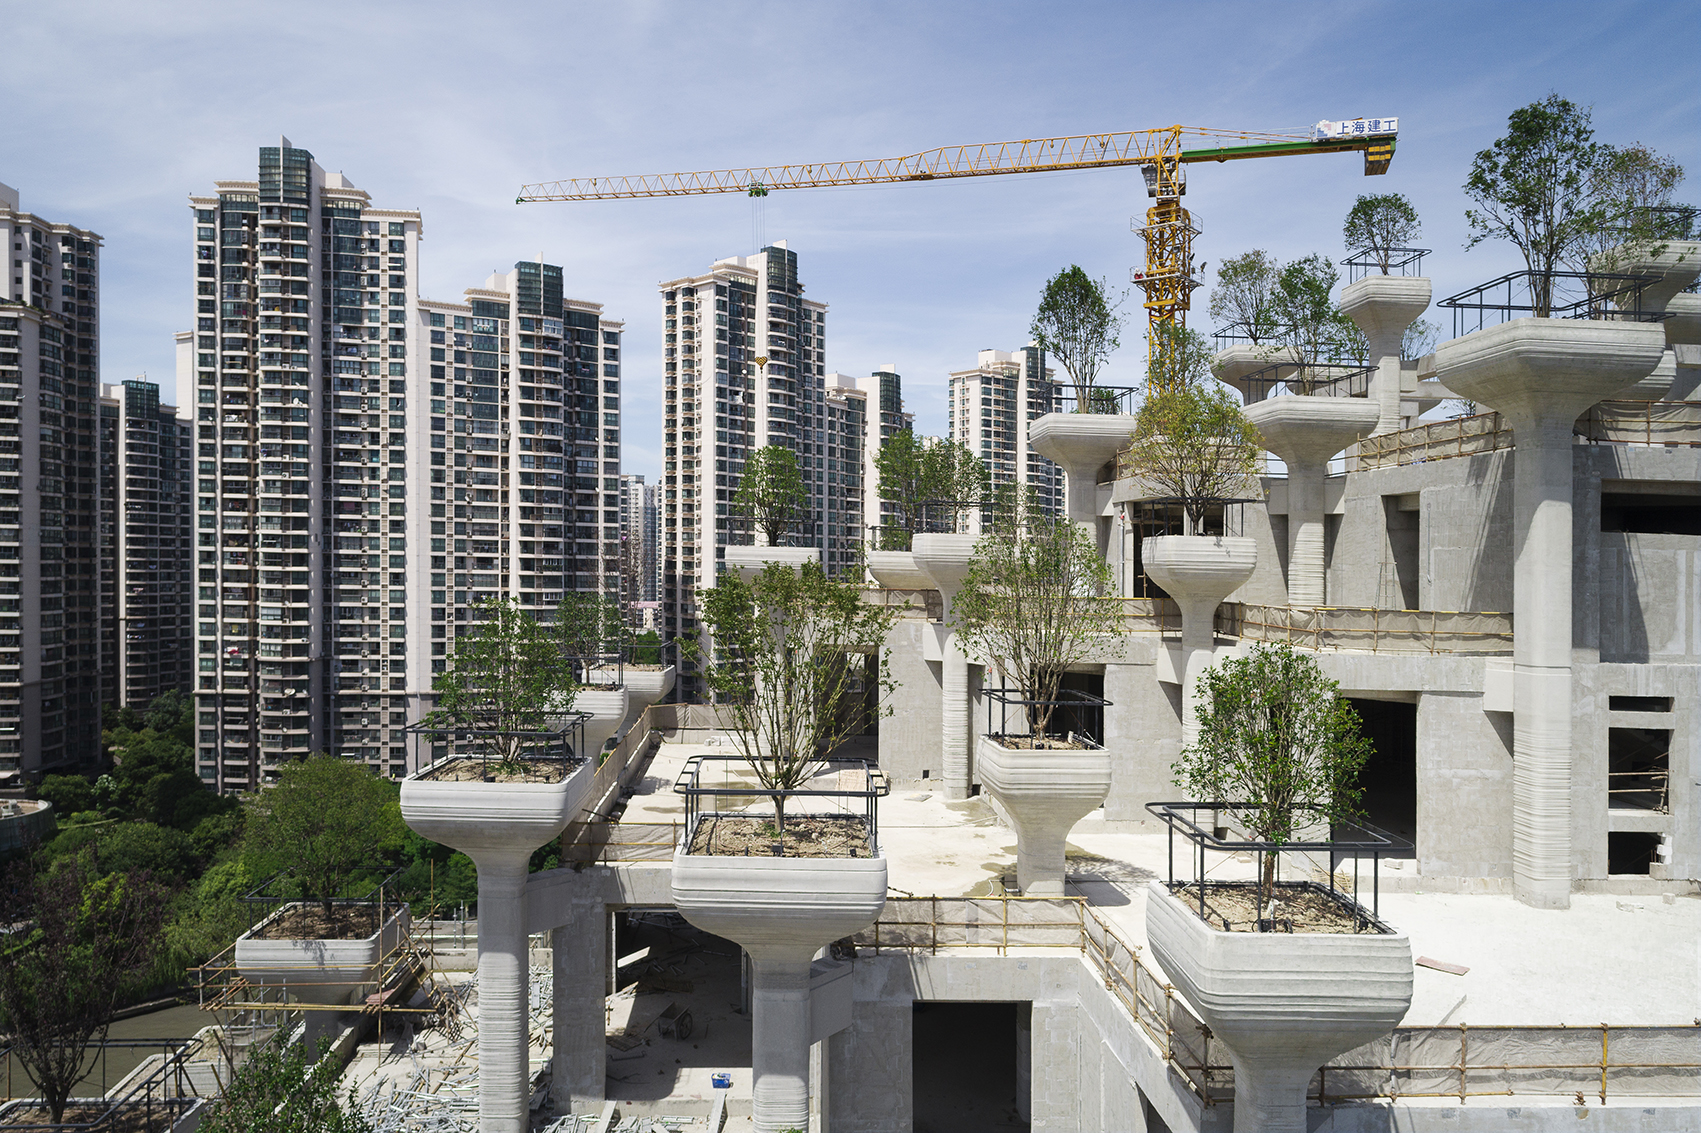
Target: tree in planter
1033,604
1310,323
79,940
1192,442
506,679
771,494
1632,187
326,821
1380,222
1277,740
283,1087
1532,189
913,474
1244,296
589,627
1077,324
773,666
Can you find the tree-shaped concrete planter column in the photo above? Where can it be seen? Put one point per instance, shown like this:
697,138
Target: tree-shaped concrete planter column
321,971
749,561
1082,443
1282,1003
498,825
1045,793
946,560
1541,374
1198,572
897,570
1383,306
604,706
645,685
1306,431
781,903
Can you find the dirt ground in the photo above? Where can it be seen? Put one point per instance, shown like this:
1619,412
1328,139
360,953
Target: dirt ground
309,922
1308,909
804,837
466,769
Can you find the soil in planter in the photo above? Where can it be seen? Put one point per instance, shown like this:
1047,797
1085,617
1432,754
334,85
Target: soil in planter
132,1118
462,769
309,922
1309,909
1041,743
806,836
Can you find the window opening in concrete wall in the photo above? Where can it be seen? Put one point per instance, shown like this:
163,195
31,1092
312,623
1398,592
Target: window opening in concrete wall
1631,851
1639,703
1650,514
1389,778
1638,766
965,1067
1398,586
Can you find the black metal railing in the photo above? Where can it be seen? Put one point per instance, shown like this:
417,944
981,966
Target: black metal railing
1386,261
1074,715
561,747
1239,334
1345,840
1322,379
1100,399
1658,222
838,788
277,892
1551,295
152,1104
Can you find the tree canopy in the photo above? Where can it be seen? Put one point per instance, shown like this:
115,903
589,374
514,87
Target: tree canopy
284,1087
771,493
506,678
1192,442
1276,738
325,821
1033,603
1077,324
921,479
83,937
791,652
1244,297
1378,223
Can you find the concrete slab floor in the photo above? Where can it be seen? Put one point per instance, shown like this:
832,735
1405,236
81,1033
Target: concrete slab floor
1610,959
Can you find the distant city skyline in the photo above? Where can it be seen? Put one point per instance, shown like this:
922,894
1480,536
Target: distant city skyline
920,275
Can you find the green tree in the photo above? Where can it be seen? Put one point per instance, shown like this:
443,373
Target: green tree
67,793
1533,188
1278,741
283,1087
771,494
1181,355
1310,324
1632,188
506,679
326,821
1420,339
1245,294
1078,325
1033,604
1191,440
1378,223
80,938
914,476
590,628
790,650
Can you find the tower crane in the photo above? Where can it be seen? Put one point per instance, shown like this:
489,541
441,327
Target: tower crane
1167,278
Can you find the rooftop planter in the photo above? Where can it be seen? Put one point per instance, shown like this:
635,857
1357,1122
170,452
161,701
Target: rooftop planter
1045,787
1287,992
747,562
321,970
898,570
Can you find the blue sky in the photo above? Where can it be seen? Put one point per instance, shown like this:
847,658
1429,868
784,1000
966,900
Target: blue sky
116,112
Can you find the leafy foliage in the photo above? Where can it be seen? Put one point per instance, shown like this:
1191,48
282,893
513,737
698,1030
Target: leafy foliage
284,1088
80,939
1632,188
507,679
1244,296
1033,603
1309,322
325,821
1379,223
1532,189
771,494
792,650
1077,324
914,475
1276,738
1192,442
589,627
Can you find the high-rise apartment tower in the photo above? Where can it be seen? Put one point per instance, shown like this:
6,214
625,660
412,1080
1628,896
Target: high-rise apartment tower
989,409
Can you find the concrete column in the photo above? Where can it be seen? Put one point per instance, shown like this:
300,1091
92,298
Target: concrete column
780,1041
1306,432
504,1072
582,970
1198,572
1543,373
1082,443
1383,306
946,560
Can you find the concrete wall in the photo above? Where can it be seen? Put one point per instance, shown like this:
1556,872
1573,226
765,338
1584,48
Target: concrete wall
1142,731
909,737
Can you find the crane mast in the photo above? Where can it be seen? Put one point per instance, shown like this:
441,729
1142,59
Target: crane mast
1167,278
